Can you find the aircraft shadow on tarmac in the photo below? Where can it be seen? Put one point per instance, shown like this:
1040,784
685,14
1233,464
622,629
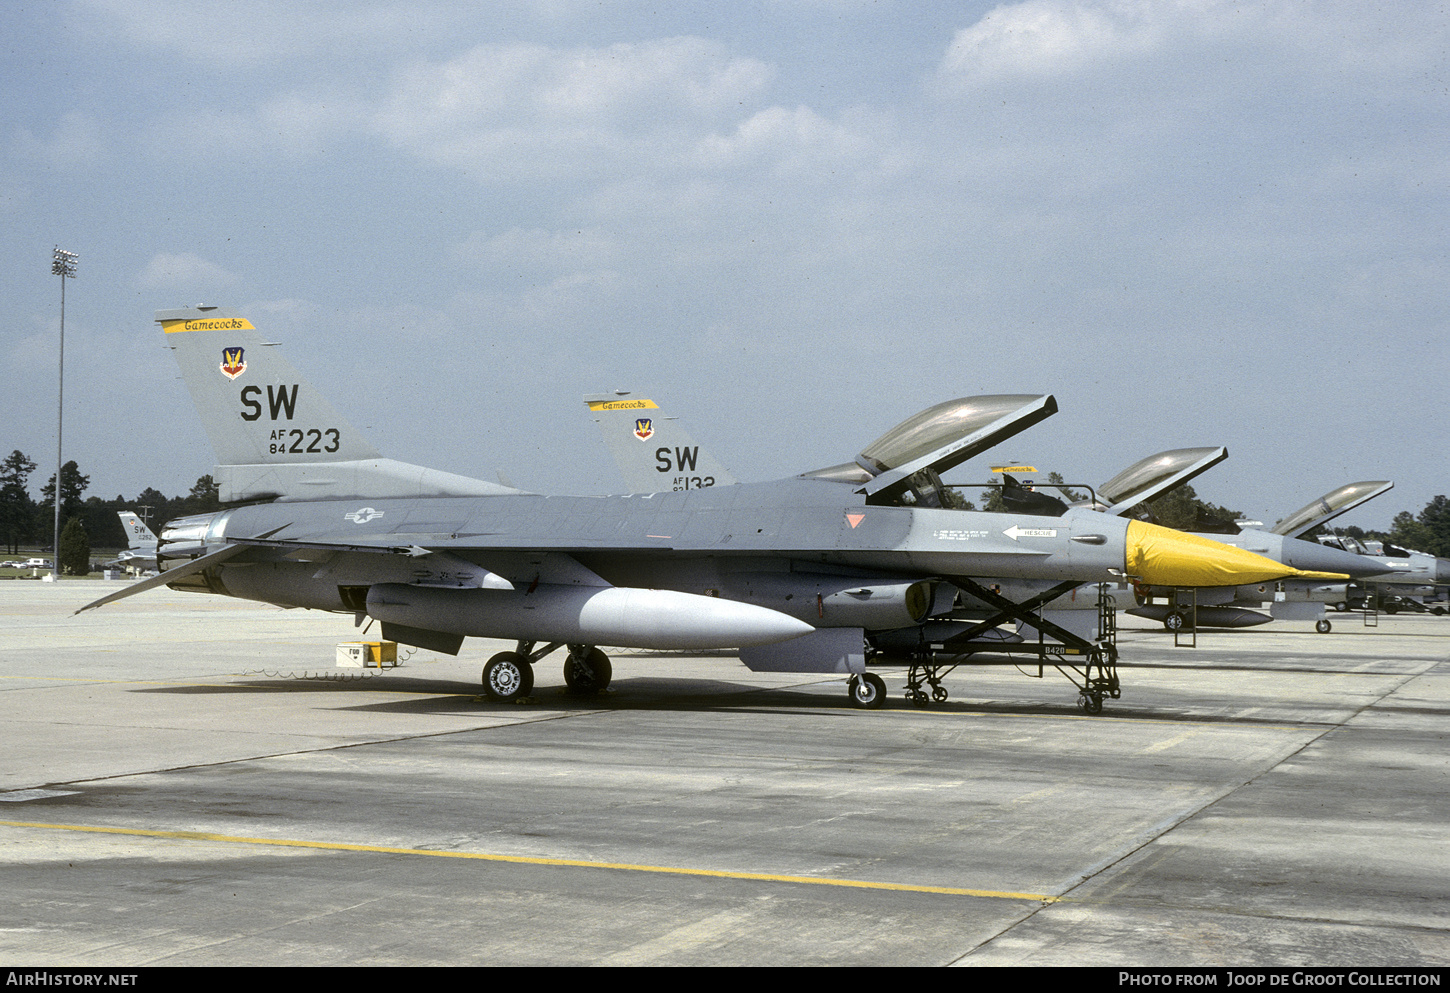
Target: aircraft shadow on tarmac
646,693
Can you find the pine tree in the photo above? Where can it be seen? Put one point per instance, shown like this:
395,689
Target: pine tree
17,509
75,549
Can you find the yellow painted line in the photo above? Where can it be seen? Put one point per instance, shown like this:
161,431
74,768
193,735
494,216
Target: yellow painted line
338,846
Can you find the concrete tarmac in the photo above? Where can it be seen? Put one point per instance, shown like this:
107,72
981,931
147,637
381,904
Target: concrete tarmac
189,780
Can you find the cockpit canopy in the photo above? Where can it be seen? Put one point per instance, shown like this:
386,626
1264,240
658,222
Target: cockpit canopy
950,431
912,455
1155,475
1330,506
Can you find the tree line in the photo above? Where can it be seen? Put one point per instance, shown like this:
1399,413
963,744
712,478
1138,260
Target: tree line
26,521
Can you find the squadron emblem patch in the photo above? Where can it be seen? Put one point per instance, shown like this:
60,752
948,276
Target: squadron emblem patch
644,428
233,364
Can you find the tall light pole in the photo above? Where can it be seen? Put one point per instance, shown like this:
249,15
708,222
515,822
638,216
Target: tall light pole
62,264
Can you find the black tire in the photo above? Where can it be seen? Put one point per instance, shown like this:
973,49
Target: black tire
867,691
1174,621
507,677
590,673
1323,627
1091,703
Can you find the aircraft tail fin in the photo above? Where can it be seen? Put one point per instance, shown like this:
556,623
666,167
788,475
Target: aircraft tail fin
655,454
138,536
275,435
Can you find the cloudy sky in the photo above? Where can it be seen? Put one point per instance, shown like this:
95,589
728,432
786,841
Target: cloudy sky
792,222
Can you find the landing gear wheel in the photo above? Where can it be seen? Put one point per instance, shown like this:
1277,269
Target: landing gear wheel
587,671
866,691
1175,622
1341,606
1090,703
1323,627
508,677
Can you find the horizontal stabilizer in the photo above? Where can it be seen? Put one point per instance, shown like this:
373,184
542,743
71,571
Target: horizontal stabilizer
169,576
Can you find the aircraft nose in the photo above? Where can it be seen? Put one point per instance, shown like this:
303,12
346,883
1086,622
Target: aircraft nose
1163,557
1321,558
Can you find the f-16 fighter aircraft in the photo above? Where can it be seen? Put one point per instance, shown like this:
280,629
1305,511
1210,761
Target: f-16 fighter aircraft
1290,599
1144,480
800,574
141,553
1404,575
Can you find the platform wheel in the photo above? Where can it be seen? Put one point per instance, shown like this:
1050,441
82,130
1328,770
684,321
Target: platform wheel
507,677
866,691
1090,703
1323,626
939,694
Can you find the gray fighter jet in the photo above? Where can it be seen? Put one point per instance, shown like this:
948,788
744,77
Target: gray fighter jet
1405,575
1212,606
1289,599
800,574
140,556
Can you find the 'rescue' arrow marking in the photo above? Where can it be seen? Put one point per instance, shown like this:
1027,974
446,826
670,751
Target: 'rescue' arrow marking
1014,532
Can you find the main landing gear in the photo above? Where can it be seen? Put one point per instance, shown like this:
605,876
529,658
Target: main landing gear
509,676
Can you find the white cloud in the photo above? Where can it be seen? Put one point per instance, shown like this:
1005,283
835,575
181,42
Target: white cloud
1039,39
186,270
506,111
791,137
1047,37
291,125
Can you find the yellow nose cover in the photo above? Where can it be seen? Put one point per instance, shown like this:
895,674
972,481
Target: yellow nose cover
1160,556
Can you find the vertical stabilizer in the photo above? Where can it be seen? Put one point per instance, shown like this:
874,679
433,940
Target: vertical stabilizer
138,536
275,435
655,454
